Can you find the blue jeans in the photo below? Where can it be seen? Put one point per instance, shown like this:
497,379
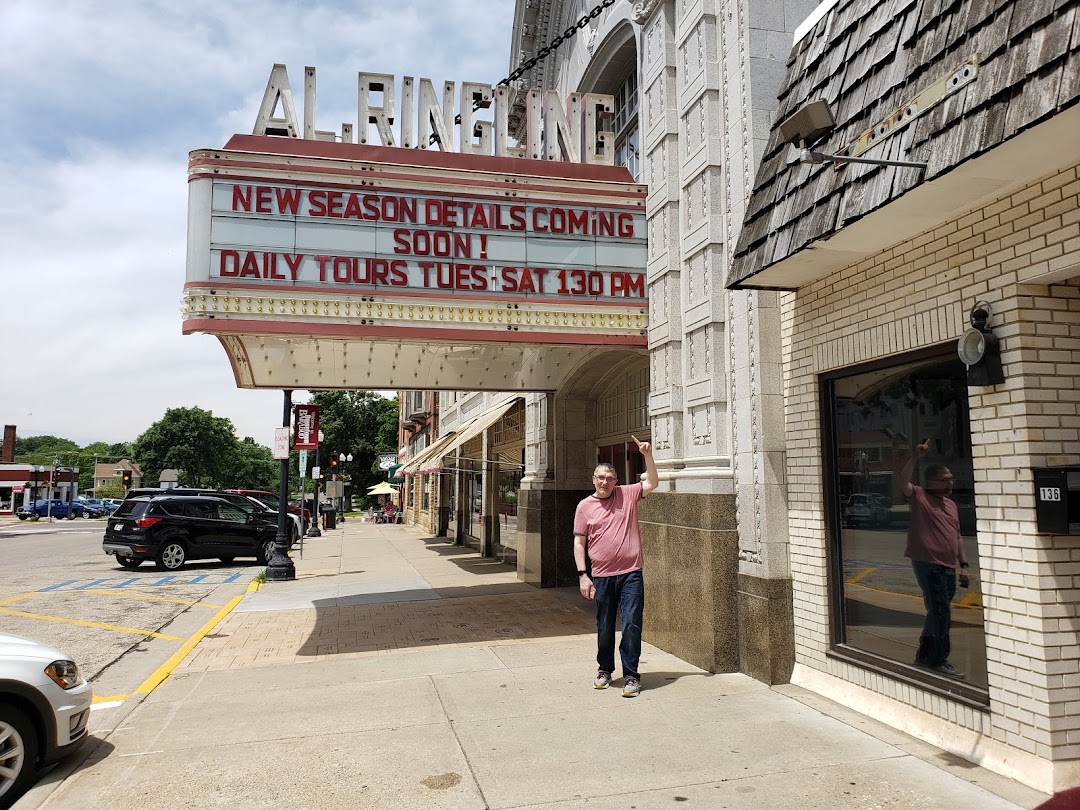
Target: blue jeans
938,585
622,595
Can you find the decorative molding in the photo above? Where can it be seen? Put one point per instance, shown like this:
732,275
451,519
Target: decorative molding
644,9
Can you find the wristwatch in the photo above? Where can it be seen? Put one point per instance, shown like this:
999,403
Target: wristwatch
582,573
964,565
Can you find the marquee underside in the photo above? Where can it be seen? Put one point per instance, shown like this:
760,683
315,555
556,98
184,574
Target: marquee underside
279,362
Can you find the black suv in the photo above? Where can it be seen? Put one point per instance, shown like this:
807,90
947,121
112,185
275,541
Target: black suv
171,529
241,502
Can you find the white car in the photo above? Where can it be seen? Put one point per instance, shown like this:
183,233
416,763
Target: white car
44,710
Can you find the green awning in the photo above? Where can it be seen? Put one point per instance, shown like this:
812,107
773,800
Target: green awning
390,477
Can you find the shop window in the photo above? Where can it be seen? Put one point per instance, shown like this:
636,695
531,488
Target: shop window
425,492
875,418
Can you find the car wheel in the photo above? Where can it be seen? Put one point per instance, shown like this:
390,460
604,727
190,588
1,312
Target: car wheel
22,517
35,516
266,551
18,754
226,560
128,562
171,555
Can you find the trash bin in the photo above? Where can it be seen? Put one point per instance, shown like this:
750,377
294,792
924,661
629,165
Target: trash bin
329,516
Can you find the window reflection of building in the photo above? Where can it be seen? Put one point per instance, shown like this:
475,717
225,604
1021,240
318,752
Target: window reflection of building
876,418
625,125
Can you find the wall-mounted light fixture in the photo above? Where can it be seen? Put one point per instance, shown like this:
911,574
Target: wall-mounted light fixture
815,119
979,349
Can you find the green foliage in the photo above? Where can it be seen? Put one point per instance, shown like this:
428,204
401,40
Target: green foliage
113,490
256,467
45,450
362,423
195,442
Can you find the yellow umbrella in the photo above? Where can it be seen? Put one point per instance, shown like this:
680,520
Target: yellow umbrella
382,488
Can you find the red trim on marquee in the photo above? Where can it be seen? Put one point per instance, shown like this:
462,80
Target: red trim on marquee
221,326
425,158
225,285
500,186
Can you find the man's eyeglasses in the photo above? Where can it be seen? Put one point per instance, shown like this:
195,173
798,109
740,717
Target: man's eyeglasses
606,479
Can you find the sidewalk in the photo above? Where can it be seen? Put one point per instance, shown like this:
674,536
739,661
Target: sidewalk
399,671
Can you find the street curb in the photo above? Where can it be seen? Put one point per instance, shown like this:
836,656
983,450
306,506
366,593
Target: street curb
65,769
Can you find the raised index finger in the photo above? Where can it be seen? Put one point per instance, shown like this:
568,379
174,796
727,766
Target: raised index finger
637,441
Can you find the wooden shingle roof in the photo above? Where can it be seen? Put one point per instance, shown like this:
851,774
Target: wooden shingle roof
867,58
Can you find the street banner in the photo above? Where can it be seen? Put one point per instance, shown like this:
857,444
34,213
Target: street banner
303,463
306,422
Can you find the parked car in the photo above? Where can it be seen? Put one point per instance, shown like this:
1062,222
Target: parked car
172,529
44,709
112,503
96,507
865,509
248,504
58,509
272,501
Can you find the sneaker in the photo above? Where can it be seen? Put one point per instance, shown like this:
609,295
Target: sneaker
631,688
603,679
948,670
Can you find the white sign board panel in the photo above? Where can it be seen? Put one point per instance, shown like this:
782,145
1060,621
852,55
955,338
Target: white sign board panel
281,442
303,463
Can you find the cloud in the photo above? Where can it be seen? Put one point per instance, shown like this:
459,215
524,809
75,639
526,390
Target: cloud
104,101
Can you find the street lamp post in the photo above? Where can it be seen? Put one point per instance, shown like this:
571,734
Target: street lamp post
341,491
280,567
313,529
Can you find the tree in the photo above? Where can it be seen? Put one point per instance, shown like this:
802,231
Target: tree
362,423
256,467
44,450
201,446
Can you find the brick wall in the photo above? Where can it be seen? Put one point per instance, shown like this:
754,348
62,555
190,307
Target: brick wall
918,294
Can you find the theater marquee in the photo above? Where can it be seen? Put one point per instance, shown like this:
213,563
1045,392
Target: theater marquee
336,265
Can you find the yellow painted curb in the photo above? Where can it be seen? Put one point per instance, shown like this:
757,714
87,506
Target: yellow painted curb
165,670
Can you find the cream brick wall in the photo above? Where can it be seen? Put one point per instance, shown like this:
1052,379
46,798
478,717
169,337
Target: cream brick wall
918,294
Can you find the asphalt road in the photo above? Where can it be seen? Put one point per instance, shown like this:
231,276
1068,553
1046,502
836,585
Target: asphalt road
120,625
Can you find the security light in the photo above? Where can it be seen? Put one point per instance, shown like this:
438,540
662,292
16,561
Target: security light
807,124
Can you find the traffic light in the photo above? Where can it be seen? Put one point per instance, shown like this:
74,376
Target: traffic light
125,478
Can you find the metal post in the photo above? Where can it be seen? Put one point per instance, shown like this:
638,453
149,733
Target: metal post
313,529
281,568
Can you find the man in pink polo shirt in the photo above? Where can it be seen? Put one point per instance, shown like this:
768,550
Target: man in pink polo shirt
936,549
606,526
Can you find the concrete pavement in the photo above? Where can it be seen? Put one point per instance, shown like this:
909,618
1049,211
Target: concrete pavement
399,671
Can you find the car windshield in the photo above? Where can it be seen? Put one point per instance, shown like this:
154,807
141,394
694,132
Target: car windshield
270,500
131,509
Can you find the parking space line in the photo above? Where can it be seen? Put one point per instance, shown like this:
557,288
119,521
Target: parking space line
90,585
163,672
234,577
61,585
99,625
111,699
126,582
197,579
136,595
163,580
20,597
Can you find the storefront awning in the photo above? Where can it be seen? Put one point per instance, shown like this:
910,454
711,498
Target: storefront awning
392,474
413,465
473,428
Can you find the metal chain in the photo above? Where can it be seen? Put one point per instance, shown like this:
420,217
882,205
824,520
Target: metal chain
541,54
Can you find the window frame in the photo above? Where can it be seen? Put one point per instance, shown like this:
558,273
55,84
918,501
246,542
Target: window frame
832,504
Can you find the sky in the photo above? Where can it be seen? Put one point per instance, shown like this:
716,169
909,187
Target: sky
102,102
